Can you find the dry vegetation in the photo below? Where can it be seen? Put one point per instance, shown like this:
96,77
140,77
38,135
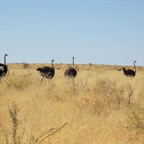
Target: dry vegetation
103,107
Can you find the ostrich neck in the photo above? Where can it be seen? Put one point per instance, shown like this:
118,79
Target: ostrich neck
134,67
5,60
52,65
73,63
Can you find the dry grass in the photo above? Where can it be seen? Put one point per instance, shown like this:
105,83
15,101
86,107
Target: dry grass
97,109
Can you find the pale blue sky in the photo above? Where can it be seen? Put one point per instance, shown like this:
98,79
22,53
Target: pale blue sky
94,31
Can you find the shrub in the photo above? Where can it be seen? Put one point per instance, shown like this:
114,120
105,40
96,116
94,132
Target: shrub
19,82
135,122
136,118
18,138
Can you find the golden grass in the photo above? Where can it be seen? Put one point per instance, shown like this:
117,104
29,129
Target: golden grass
96,109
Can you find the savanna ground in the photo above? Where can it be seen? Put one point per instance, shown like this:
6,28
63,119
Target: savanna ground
103,106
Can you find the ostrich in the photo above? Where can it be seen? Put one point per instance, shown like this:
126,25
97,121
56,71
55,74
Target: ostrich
130,72
47,72
71,71
3,68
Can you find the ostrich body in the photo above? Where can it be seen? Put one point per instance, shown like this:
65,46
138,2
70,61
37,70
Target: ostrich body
47,72
3,68
130,72
71,71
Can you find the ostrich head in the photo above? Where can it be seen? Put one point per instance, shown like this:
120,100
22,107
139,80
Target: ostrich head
135,62
5,55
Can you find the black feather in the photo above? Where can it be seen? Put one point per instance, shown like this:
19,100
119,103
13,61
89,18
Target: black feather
46,71
3,68
71,71
130,72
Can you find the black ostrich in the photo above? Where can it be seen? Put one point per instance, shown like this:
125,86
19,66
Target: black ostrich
71,72
130,72
47,72
3,68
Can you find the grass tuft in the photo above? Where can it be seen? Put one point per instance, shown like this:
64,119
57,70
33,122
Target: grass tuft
18,82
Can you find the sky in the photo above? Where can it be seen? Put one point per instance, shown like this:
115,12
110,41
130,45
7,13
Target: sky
107,32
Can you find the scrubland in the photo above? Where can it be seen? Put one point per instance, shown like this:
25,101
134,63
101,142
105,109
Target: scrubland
102,107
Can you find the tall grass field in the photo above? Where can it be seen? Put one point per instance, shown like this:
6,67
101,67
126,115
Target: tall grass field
101,106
